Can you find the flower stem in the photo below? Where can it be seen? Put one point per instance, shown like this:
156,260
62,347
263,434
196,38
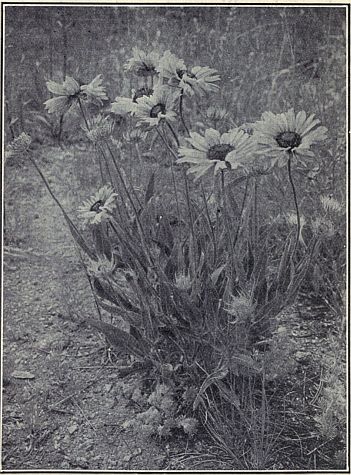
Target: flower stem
226,218
83,114
140,226
296,205
241,212
210,225
172,172
181,98
173,133
170,149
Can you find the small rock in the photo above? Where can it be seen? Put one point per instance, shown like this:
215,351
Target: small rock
72,428
82,462
65,465
66,440
127,458
22,375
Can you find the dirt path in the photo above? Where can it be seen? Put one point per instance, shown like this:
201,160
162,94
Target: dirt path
62,403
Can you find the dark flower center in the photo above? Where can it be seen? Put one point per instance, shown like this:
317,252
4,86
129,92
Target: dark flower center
288,140
181,72
96,206
219,151
143,91
157,109
146,70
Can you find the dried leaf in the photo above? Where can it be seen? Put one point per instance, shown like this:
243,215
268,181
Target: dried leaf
22,375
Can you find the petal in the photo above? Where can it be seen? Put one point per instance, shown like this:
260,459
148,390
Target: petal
56,88
71,86
57,105
213,137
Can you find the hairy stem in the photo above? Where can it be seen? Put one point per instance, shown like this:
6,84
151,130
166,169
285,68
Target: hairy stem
298,229
172,173
140,226
241,212
173,133
181,99
83,114
226,218
210,225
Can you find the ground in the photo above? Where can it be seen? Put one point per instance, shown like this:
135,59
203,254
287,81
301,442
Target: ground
63,400
65,411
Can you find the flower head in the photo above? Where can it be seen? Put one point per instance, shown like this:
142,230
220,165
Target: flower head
217,114
171,69
126,105
331,205
94,91
99,206
18,146
152,109
217,151
142,63
323,227
135,136
200,80
183,281
67,93
101,129
197,80
287,133
103,267
240,308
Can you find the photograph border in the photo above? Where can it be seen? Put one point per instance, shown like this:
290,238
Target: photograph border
168,4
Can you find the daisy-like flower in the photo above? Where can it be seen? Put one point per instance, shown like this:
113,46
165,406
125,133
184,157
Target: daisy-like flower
142,63
101,129
159,106
183,281
103,267
217,114
197,80
67,94
135,136
331,205
200,80
288,133
126,105
171,69
217,151
240,308
18,146
99,206
94,91
323,227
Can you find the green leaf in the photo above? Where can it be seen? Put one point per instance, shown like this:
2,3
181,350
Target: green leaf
211,379
150,190
284,265
215,274
119,338
102,243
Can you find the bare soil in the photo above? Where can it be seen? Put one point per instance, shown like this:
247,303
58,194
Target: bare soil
62,404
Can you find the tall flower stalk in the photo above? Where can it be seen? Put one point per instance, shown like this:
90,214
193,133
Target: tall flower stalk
298,225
